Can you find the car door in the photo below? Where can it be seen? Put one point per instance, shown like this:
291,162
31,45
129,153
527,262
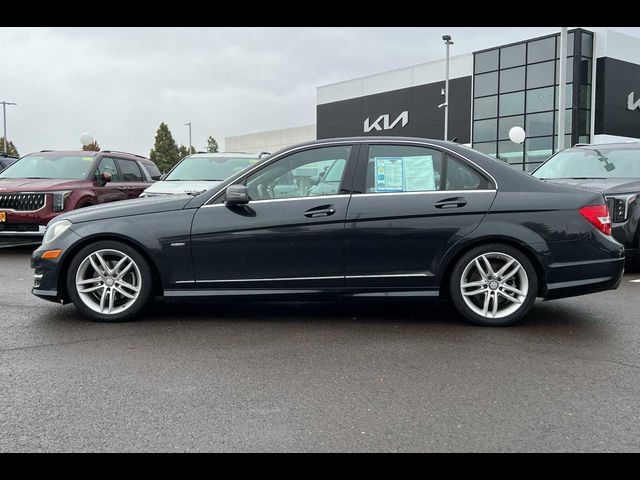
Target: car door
289,235
113,190
133,179
411,203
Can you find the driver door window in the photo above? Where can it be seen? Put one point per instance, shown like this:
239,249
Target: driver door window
311,173
107,165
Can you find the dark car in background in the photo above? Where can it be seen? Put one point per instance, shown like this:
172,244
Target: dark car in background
614,170
42,185
408,217
6,160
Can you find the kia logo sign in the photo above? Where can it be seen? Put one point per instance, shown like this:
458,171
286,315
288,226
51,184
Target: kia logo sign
631,105
403,117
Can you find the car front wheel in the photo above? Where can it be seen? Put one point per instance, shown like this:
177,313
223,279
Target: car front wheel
109,281
493,285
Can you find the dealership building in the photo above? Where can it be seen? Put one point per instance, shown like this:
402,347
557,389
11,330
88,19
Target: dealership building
490,91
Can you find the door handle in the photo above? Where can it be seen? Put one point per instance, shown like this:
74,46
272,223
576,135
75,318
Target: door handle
456,202
319,212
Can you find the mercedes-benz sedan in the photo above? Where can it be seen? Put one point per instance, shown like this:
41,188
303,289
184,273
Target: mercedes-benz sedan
390,217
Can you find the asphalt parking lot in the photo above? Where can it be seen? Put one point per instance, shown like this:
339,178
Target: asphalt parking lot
388,377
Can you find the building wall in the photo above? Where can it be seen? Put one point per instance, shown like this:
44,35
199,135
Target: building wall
270,141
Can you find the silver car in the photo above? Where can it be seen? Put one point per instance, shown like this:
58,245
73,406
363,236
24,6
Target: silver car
201,171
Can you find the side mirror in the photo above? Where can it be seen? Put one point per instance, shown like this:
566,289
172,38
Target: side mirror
236,195
105,178
163,176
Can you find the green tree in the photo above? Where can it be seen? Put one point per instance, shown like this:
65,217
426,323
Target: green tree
184,151
165,153
11,148
212,145
92,147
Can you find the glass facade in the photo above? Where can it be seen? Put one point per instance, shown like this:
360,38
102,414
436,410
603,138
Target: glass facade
517,85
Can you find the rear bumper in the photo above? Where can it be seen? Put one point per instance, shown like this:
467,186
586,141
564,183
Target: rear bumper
587,277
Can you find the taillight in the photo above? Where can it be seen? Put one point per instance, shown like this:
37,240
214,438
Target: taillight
598,216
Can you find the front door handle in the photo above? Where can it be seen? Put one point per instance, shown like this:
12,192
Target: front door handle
323,211
456,202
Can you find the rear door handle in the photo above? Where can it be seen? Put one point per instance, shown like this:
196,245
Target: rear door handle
319,212
456,202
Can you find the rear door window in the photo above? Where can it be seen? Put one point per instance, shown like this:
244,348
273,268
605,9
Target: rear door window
129,170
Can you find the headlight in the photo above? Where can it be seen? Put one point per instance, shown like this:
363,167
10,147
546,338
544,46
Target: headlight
58,200
55,230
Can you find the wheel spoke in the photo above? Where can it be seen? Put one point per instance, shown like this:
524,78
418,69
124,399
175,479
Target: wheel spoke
91,289
513,271
123,293
96,267
103,299
488,265
485,308
114,270
495,303
480,270
122,283
479,283
475,292
89,280
111,299
505,267
510,298
509,288
107,270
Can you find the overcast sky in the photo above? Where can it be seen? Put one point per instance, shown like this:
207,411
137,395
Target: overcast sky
120,83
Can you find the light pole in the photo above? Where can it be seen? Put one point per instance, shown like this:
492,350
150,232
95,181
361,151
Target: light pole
4,115
447,42
189,136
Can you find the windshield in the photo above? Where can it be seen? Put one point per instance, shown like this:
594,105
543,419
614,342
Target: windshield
209,168
74,167
592,163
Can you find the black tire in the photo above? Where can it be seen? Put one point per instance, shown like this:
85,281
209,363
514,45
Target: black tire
456,291
146,288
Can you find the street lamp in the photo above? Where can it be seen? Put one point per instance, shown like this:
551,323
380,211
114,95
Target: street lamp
189,136
447,42
4,115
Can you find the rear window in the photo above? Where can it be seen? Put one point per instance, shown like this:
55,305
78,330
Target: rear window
130,170
152,170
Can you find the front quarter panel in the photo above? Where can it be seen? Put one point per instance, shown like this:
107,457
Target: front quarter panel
164,237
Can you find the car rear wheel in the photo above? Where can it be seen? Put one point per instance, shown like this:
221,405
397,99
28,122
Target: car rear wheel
493,285
109,281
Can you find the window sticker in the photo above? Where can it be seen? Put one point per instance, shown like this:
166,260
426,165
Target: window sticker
419,174
87,159
389,174
405,174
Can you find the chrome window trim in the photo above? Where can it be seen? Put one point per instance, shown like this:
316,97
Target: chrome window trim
375,140
46,198
425,192
314,197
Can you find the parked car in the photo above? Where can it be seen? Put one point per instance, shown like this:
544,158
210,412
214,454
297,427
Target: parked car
409,217
6,160
41,186
614,170
200,171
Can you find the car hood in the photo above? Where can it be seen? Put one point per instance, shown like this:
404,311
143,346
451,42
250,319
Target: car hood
124,208
605,185
39,184
180,186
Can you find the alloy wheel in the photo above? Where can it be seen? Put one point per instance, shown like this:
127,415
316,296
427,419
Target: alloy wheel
494,285
108,281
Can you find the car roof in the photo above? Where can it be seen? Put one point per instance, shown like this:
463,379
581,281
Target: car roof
223,155
88,153
620,145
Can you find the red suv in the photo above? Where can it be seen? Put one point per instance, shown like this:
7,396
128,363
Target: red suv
42,185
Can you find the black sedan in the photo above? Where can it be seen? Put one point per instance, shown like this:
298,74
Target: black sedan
363,217
614,170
